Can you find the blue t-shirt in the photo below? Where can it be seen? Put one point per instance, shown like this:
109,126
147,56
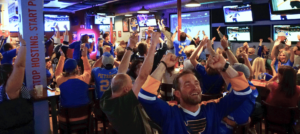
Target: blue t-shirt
73,93
179,47
242,113
209,83
288,63
102,78
76,47
8,56
111,46
48,74
260,52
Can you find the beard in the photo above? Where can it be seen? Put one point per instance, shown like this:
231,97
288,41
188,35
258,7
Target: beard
189,100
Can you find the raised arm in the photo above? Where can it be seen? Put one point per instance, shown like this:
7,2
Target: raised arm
57,36
292,55
159,25
174,35
270,39
147,65
60,64
66,36
199,49
98,63
247,63
232,59
220,34
126,58
273,53
86,76
272,67
188,36
15,81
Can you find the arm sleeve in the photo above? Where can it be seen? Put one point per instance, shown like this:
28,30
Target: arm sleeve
241,91
158,110
48,73
200,69
12,53
72,45
220,35
259,51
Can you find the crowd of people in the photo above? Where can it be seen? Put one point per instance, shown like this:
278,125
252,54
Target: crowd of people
135,82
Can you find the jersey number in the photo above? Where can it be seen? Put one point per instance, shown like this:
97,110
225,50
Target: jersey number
104,84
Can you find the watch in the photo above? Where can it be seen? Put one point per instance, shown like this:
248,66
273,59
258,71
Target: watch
129,48
225,67
226,48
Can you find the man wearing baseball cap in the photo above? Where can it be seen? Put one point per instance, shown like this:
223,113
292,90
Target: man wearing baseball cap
103,76
73,87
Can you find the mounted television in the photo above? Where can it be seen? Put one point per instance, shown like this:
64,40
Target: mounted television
284,16
146,20
238,13
13,16
103,20
285,6
239,34
52,20
192,22
291,31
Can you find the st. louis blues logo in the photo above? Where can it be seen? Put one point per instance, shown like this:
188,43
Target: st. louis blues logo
196,126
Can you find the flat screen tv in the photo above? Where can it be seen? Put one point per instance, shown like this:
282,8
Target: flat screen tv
60,20
13,16
103,20
192,22
285,6
146,20
239,34
284,16
291,31
238,13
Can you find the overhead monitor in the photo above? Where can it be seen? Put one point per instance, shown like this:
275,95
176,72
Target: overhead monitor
146,20
285,6
238,13
291,31
52,20
239,34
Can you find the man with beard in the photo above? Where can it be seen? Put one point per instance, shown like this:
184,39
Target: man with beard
190,116
210,79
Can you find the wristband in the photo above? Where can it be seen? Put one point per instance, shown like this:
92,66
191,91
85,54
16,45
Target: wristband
129,48
225,67
164,63
226,48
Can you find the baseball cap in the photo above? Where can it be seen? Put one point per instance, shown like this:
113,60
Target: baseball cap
107,59
70,65
242,68
281,34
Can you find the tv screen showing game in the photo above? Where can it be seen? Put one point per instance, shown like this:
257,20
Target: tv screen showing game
237,13
284,16
285,6
291,31
52,20
146,20
238,33
103,20
13,16
192,23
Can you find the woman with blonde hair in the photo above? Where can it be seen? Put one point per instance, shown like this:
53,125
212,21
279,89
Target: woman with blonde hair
259,69
283,59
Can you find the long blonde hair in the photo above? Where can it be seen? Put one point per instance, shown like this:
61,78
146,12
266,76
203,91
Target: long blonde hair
258,66
286,56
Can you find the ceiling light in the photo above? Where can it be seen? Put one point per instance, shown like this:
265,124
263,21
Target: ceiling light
128,14
143,10
193,3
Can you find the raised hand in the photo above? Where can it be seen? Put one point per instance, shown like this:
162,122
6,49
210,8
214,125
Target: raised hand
298,36
61,53
133,40
22,41
224,43
155,38
213,39
244,55
177,28
170,59
56,26
218,29
204,41
203,32
162,21
217,62
84,50
261,40
65,26
198,32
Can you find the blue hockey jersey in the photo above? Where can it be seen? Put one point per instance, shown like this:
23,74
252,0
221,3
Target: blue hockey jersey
206,120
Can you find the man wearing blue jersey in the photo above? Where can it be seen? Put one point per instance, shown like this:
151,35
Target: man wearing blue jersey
103,76
191,116
179,46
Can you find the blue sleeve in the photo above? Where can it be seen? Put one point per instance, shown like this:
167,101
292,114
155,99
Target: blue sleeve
112,51
290,63
188,42
48,43
88,45
158,110
259,51
48,74
12,53
200,69
268,76
72,45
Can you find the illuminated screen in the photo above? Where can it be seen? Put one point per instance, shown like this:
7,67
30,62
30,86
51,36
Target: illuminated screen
238,33
237,13
52,20
192,22
291,31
